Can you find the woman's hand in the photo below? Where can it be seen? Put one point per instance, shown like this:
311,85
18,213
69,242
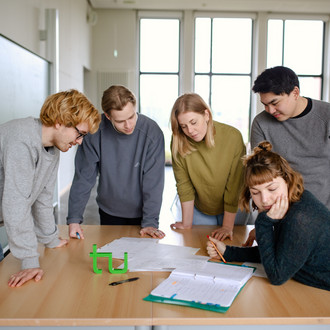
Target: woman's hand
251,238
222,233
179,225
211,250
279,208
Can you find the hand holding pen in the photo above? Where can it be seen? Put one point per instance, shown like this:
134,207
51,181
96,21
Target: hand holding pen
75,231
212,248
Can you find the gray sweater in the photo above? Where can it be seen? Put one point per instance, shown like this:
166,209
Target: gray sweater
304,141
130,170
27,181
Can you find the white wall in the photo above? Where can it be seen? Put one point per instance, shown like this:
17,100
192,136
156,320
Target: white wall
21,20
115,29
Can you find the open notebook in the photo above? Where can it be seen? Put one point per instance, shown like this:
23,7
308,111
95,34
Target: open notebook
213,287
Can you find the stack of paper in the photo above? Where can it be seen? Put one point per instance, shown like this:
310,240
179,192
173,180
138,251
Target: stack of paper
145,254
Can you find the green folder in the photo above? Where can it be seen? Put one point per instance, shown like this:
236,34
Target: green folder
196,304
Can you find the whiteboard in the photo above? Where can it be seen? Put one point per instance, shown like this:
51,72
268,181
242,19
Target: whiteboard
24,86
24,81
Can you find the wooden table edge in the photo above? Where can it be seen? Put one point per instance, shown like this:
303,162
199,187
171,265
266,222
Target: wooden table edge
243,321
76,322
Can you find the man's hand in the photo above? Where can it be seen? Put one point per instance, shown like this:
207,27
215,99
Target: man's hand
25,275
153,232
222,233
75,228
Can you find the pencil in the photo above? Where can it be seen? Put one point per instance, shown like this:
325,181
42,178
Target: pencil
221,256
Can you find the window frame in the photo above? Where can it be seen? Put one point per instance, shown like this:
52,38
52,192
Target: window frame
159,15
210,74
325,45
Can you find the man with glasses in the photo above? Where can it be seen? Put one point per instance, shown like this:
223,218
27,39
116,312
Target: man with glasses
29,158
298,128
127,155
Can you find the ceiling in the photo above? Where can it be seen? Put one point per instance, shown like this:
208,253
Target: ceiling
307,6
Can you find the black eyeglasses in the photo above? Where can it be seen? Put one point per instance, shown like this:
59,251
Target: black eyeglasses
80,134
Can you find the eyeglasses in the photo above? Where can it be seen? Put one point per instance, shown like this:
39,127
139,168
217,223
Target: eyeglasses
80,134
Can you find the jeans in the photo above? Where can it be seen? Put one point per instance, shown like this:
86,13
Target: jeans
201,218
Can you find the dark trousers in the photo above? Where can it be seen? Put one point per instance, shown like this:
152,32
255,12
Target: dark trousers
108,219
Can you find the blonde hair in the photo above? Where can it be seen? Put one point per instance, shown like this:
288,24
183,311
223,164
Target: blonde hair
189,102
69,108
264,165
116,97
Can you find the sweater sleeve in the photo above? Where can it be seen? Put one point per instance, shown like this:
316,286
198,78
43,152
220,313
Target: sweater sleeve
235,178
16,204
153,182
43,213
86,170
242,254
284,247
185,188
257,134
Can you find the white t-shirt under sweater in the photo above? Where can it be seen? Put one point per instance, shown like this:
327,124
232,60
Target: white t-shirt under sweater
27,179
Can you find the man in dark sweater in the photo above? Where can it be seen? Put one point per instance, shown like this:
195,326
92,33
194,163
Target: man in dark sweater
128,157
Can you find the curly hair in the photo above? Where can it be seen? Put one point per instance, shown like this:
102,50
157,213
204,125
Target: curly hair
69,108
264,165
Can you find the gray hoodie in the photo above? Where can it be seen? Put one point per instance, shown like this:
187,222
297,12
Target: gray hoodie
27,179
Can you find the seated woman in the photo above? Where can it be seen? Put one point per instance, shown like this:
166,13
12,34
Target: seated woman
292,227
206,158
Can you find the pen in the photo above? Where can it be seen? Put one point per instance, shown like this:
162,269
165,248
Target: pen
77,234
223,259
124,281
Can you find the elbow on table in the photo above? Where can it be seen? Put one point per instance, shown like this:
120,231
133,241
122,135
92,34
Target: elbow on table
278,280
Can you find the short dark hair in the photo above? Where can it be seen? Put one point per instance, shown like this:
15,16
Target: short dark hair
278,80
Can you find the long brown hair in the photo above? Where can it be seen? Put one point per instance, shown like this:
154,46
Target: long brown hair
264,165
189,102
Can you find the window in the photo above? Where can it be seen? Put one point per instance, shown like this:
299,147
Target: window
223,53
159,70
298,44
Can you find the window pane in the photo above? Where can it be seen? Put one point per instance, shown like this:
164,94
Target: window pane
303,46
231,101
231,43
202,44
157,96
202,87
310,87
159,45
274,42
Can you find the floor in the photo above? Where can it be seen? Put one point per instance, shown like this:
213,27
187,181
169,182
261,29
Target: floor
91,215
